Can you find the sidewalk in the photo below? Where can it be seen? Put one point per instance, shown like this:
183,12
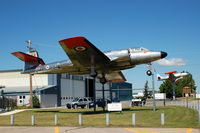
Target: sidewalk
12,112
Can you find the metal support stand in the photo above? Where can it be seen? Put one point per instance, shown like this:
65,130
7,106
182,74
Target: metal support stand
173,90
31,92
103,81
153,86
94,87
151,73
93,74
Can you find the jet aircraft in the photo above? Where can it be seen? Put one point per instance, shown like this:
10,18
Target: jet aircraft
85,57
172,76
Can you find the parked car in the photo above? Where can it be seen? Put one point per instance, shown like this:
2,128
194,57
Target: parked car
138,102
100,103
79,102
116,100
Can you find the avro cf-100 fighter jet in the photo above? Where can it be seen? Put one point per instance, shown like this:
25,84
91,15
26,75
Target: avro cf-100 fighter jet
84,56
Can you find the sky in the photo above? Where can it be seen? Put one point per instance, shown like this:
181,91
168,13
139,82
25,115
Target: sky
172,26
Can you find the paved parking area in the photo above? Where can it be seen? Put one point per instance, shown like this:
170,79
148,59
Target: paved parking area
94,130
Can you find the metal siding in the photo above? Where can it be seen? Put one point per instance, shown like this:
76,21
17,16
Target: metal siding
71,89
79,89
65,88
52,79
48,100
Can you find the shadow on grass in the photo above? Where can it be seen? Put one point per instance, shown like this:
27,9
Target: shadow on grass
91,112
83,112
46,111
142,109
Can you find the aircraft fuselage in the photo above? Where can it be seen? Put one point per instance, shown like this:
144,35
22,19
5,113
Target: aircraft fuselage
119,60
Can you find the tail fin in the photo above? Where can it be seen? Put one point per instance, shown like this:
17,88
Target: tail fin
31,61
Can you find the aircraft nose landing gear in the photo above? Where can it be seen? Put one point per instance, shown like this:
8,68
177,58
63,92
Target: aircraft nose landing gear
149,72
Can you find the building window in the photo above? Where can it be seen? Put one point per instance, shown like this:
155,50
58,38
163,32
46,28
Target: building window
20,101
65,76
77,77
20,97
24,97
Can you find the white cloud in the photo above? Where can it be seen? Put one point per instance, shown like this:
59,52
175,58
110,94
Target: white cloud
172,62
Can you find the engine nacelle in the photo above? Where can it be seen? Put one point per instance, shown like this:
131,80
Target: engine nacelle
142,55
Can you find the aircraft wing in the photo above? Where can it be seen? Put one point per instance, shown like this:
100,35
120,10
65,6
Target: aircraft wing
80,52
115,77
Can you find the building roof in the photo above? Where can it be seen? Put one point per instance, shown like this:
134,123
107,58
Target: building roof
23,89
15,70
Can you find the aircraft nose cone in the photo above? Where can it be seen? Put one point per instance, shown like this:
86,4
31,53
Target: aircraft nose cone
163,54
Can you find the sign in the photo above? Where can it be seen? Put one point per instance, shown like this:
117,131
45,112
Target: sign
115,107
197,95
160,96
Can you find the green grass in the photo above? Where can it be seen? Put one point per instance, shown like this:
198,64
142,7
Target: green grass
145,117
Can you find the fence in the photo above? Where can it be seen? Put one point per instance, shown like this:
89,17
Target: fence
194,104
80,120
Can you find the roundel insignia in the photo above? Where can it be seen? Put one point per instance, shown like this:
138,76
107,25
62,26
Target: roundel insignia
47,67
80,48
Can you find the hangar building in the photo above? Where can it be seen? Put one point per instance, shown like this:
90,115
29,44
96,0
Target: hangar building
57,89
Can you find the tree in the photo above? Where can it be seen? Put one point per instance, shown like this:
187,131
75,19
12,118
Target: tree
36,103
187,81
146,93
166,87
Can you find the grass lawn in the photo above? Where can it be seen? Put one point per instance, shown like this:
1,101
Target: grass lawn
145,117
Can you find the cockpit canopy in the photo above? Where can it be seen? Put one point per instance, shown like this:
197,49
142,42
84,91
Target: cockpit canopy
138,49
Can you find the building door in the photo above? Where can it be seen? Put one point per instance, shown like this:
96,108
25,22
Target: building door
89,90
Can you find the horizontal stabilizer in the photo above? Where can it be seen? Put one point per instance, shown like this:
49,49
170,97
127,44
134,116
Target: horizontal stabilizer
171,72
28,58
31,62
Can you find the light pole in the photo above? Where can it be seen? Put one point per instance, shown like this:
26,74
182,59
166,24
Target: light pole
31,91
151,73
153,86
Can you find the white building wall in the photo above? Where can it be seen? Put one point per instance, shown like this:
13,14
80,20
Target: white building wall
16,79
23,100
